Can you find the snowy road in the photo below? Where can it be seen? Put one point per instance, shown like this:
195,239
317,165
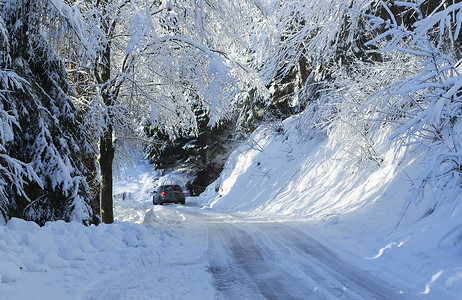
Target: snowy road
234,257
270,260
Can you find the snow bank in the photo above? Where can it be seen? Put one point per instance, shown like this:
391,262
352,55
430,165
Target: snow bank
25,247
146,253
33,257
288,172
362,207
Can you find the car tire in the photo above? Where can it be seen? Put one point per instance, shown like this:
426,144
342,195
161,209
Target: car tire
161,203
183,202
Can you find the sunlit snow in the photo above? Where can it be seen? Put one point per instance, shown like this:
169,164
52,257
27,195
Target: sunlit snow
154,252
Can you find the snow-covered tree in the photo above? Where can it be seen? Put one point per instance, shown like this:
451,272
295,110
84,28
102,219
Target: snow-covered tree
292,47
147,61
411,90
14,174
43,140
201,155
311,39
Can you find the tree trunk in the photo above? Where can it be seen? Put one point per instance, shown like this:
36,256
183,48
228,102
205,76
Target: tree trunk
106,145
105,162
252,95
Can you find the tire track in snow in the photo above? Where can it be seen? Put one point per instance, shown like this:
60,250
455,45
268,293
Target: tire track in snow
242,269
337,277
255,260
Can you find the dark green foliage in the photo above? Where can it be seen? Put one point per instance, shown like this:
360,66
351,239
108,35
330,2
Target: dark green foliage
202,155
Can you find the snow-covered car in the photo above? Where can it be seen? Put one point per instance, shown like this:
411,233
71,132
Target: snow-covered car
168,194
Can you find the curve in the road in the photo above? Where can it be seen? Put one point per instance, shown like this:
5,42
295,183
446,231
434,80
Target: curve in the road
244,268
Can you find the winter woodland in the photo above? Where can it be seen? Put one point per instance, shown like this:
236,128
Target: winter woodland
85,82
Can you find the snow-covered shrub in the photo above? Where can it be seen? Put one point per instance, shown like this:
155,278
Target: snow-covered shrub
410,92
427,104
358,109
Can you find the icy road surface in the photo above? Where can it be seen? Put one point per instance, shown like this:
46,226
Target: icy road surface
252,259
274,261
245,258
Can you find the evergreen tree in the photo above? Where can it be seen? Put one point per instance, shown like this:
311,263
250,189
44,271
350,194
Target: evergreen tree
45,136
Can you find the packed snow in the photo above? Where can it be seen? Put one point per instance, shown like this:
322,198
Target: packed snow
155,252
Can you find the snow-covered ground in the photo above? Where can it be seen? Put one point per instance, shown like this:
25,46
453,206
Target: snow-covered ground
362,208
148,252
154,252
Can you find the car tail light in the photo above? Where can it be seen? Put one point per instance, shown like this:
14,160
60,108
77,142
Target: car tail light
163,193
182,192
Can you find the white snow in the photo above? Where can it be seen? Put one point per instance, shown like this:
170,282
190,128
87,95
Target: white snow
361,209
154,252
145,247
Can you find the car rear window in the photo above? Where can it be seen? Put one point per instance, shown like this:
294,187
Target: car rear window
172,188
